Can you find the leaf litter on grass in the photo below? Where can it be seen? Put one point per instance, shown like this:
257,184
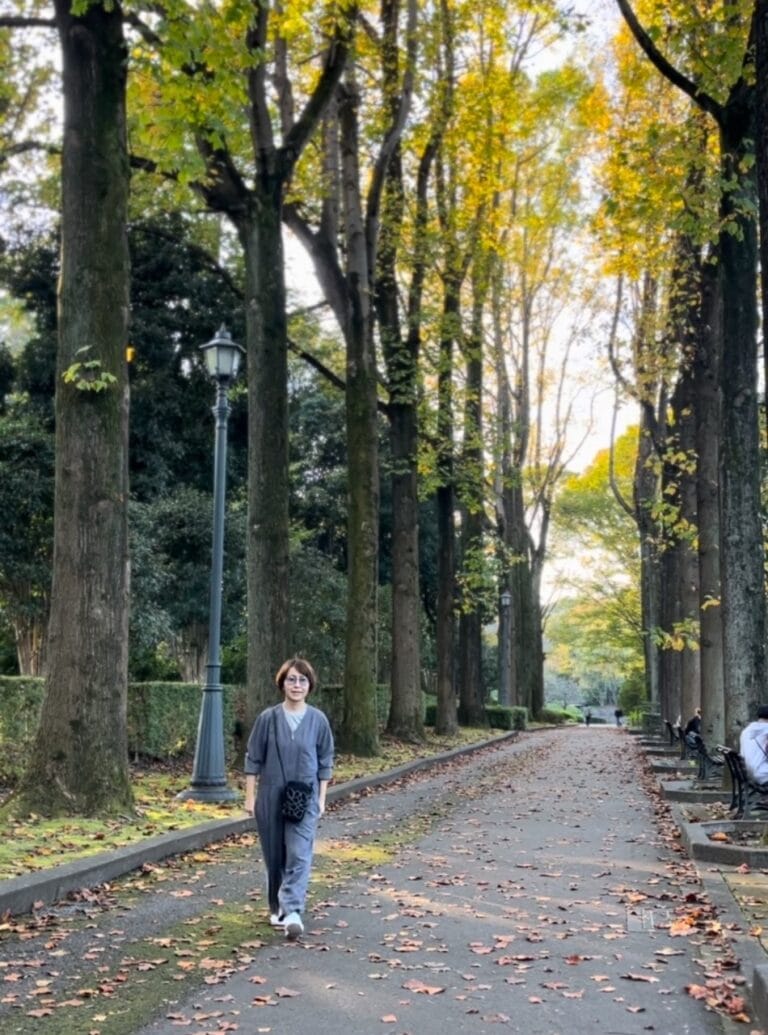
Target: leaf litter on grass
33,843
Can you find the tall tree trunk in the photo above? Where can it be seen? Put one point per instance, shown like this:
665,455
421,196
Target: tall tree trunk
471,690
359,732
524,657
644,493
257,212
79,759
401,355
445,634
260,233
707,410
741,534
670,667
761,153
690,676
536,650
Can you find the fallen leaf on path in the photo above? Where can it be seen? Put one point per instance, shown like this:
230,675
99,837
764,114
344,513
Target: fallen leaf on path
414,985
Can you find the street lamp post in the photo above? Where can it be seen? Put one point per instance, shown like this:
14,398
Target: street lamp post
505,664
209,779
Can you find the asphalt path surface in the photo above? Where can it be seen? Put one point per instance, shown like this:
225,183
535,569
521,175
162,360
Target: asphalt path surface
542,892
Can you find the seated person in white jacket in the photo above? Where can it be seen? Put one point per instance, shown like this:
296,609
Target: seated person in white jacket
753,746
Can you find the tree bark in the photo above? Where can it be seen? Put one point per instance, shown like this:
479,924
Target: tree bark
761,153
79,761
471,690
359,732
260,233
707,410
445,633
644,493
690,675
741,533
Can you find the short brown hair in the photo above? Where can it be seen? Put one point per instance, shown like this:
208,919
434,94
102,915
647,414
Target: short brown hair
301,665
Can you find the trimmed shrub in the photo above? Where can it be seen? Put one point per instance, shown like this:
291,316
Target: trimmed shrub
519,718
499,717
163,719
21,698
556,716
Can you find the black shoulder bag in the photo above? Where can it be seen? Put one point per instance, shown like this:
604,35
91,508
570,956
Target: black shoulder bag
296,795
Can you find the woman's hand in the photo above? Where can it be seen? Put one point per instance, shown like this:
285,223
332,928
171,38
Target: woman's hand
250,794
321,796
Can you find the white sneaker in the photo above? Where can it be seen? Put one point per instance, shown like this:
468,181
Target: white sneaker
293,926
275,920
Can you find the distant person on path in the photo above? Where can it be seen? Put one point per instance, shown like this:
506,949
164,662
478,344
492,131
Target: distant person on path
693,728
753,746
290,741
588,717
619,715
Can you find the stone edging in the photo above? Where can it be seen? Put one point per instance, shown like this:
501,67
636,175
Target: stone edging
701,850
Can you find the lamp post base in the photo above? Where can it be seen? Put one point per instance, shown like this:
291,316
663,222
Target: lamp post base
209,772
205,794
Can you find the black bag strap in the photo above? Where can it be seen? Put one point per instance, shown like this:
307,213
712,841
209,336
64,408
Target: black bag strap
277,746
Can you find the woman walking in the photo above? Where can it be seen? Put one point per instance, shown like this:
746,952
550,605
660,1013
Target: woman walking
290,742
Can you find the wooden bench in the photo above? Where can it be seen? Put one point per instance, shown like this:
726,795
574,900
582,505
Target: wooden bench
746,793
709,764
685,751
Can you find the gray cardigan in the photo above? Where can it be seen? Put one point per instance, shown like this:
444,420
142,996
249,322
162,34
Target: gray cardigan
307,754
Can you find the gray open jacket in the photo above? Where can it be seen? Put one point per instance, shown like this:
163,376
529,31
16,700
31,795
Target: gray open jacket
307,754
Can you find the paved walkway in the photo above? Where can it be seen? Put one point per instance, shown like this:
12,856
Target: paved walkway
546,899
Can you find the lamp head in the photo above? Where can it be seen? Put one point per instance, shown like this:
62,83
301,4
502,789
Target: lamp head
222,356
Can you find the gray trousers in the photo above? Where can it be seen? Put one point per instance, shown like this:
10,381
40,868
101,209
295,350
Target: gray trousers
287,850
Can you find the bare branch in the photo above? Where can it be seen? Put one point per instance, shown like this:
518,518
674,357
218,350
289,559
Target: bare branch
619,496
18,21
24,147
649,48
612,336
335,60
147,34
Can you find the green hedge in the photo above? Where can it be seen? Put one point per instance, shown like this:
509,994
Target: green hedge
21,698
503,718
162,719
499,716
557,716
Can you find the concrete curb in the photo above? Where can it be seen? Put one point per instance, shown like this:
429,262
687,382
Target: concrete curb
760,993
685,790
695,837
35,890
709,857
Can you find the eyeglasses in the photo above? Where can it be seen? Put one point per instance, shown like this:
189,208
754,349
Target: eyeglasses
297,679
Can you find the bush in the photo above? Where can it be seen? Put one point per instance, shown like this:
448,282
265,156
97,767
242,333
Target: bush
633,695
519,718
163,719
556,716
21,698
502,717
